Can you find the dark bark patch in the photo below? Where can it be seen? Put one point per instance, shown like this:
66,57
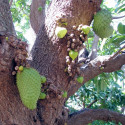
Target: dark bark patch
56,120
90,1
34,119
0,41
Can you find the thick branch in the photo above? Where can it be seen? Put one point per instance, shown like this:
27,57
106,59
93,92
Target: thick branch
93,53
89,115
92,69
37,14
6,25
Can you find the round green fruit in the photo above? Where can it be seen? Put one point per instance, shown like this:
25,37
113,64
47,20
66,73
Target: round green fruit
73,54
86,29
101,24
64,95
60,32
103,32
42,95
103,17
43,79
80,79
7,38
21,68
40,9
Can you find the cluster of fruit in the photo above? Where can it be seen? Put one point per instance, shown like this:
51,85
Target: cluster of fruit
75,39
20,47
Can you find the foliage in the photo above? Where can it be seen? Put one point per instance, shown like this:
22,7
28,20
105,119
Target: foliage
20,10
99,122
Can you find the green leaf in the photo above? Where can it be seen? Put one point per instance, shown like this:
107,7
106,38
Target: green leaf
103,85
121,28
120,7
118,39
122,10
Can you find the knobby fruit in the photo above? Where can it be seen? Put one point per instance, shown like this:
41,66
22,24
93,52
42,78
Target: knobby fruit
101,24
29,86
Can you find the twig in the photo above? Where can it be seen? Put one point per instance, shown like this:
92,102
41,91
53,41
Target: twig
118,17
91,103
117,52
11,1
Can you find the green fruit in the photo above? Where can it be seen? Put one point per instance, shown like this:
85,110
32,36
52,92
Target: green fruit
80,79
73,54
42,95
101,68
85,29
7,38
21,68
64,95
103,32
121,28
29,86
60,32
103,17
40,9
43,79
101,24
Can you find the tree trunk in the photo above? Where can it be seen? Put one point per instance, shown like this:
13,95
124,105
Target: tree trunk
49,54
48,57
37,16
12,111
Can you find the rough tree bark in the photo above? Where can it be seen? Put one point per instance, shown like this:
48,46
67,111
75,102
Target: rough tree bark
49,52
12,110
37,17
48,57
